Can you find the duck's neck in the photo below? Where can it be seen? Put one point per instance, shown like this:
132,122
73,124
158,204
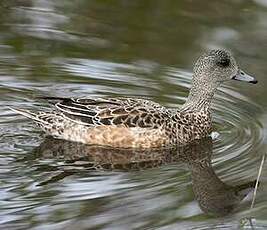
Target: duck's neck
200,97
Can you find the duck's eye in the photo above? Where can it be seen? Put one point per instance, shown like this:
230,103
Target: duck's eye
223,62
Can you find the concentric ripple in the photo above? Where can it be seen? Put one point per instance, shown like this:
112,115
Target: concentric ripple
236,120
166,189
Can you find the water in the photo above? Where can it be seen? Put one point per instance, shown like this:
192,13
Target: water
132,48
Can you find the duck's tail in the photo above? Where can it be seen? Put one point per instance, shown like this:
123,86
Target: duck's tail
55,124
28,114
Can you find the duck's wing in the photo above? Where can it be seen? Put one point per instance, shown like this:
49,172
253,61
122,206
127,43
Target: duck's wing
130,112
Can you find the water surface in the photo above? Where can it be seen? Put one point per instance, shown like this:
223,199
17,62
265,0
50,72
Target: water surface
131,48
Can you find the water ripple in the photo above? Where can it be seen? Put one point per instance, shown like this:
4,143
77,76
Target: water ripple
154,191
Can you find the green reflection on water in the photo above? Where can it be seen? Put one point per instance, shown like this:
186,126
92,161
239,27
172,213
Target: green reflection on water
51,47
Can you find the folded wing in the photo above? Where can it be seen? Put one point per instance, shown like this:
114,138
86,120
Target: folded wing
129,112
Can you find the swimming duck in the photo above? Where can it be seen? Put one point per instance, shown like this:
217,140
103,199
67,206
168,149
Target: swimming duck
139,123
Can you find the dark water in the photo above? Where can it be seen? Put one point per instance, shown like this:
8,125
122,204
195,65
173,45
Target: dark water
132,48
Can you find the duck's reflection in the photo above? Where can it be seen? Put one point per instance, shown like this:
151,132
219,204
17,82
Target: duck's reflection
213,195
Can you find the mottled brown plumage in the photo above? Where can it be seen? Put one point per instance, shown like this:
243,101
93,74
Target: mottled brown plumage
139,123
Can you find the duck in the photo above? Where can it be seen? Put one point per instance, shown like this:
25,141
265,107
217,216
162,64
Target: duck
138,123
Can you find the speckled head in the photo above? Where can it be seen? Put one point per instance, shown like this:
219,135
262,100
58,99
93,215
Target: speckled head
218,66
210,70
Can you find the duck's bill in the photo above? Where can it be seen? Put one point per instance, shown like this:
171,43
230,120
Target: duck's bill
242,76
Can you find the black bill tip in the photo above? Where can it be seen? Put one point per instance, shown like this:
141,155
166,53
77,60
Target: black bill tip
254,82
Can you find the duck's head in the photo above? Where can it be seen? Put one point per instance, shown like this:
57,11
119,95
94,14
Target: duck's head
218,66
